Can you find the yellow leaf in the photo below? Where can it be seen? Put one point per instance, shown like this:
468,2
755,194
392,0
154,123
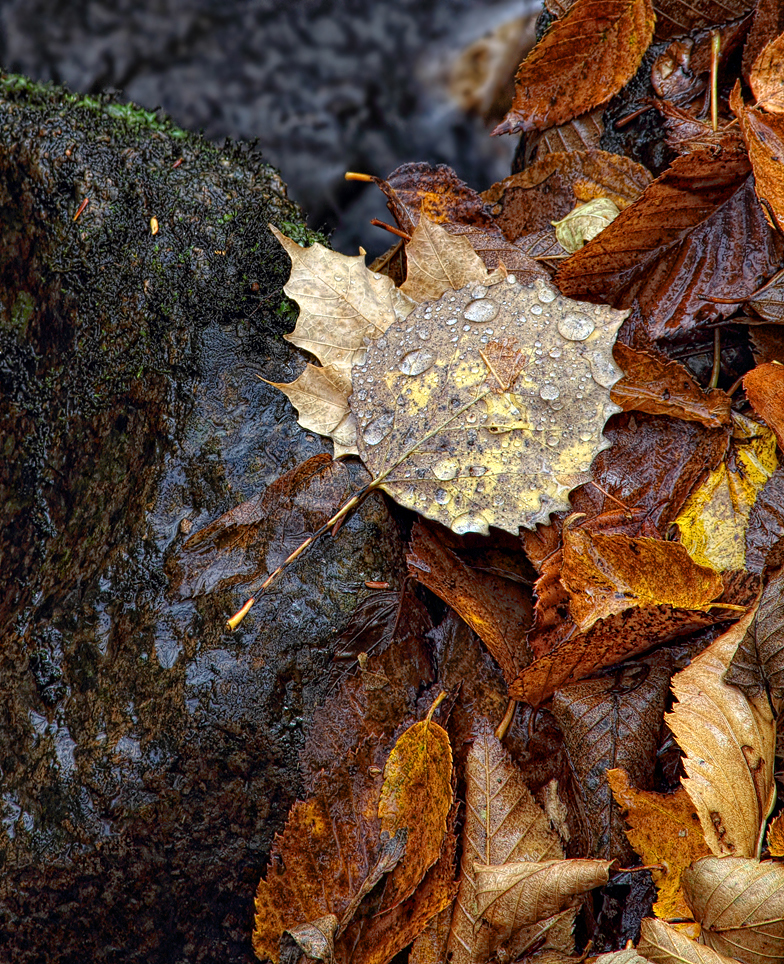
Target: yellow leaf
728,741
663,829
713,520
776,836
320,396
416,797
584,223
487,407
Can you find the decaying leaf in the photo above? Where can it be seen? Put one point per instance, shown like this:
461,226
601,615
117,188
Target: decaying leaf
775,838
672,249
609,574
662,944
766,78
585,58
653,383
764,137
663,829
764,387
415,800
320,396
740,904
503,823
714,519
487,407
518,894
677,17
498,610
728,741
765,531
758,663
614,721
584,223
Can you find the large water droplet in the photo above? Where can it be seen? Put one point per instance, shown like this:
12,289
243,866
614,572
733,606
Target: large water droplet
378,429
576,327
604,370
446,469
416,362
549,392
481,310
585,435
470,522
478,291
546,294
442,496
475,471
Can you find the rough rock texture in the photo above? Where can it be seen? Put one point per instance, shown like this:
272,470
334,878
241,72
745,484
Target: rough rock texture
147,756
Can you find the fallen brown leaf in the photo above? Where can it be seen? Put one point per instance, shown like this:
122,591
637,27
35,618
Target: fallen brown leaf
763,134
740,904
766,77
765,531
757,665
767,25
728,741
764,386
662,944
584,58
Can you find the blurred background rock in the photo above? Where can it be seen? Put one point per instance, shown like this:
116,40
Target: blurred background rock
325,86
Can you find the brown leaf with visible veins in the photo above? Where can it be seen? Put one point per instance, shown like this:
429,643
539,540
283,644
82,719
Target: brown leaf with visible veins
609,722
677,17
758,662
605,575
687,133
765,531
582,60
662,944
498,610
768,24
767,76
653,383
728,741
775,838
764,387
696,233
740,904
763,134
583,133
663,829
550,188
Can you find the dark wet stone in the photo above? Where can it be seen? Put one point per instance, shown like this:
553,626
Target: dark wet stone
147,755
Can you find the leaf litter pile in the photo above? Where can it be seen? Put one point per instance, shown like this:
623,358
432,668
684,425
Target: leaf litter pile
557,739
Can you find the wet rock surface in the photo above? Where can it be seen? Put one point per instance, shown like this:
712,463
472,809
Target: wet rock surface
147,755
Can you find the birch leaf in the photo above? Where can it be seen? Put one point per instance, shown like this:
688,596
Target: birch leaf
728,741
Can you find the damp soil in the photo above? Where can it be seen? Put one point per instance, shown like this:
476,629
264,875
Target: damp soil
147,755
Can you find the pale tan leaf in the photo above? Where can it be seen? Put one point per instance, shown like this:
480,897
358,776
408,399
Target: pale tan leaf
503,822
342,304
628,955
662,944
740,904
439,261
515,895
488,407
728,741
767,76
584,223
315,940
320,396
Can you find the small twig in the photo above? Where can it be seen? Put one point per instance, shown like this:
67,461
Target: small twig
714,381
503,727
388,227
714,77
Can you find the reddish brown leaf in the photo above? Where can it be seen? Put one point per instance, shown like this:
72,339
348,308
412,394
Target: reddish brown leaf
652,383
550,188
765,531
612,722
677,17
582,60
768,24
766,78
584,133
498,610
764,387
764,137
696,233
686,133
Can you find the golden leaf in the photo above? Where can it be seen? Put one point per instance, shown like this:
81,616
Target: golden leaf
320,396
584,223
487,407
728,741
416,797
740,904
661,943
776,836
663,829
714,519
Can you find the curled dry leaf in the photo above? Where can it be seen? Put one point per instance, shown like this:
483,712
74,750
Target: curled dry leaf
673,249
612,722
655,384
503,823
521,893
740,904
662,944
764,386
728,741
528,201
462,419
766,78
758,663
664,829
605,575
415,800
764,137
714,520
583,59
315,940
775,838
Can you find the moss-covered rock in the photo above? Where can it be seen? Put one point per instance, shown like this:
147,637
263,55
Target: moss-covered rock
147,756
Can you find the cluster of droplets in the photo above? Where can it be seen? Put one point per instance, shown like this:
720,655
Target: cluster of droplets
560,397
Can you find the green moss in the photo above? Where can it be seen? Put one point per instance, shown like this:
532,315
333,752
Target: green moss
302,234
22,311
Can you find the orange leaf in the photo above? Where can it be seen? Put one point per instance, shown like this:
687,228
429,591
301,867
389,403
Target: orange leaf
767,76
765,391
764,137
582,60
